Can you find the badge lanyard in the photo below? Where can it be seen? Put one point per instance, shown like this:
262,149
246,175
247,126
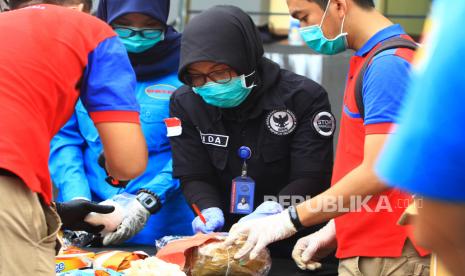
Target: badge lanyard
243,187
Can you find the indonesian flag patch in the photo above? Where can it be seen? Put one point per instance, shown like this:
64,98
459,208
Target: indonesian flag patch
173,127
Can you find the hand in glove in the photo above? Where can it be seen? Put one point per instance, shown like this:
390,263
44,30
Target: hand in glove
308,250
132,223
260,233
72,214
138,212
215,221
265,209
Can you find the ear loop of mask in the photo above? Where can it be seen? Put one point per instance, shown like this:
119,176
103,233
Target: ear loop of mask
323,18
324,14
245,81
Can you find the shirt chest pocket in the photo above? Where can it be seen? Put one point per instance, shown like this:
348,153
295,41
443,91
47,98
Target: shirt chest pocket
216,142
153,126
218,156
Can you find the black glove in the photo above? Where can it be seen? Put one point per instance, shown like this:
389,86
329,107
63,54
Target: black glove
72,214
109,179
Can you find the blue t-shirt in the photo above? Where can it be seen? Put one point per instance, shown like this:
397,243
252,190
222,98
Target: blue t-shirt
384,82
427,155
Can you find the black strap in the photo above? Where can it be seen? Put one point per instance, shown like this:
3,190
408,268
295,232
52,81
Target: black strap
110,179
394,43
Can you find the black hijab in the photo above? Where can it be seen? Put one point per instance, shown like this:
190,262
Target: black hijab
223,34
226,34
161,59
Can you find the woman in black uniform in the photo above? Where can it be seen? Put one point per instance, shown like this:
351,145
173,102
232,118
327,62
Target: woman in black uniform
249,128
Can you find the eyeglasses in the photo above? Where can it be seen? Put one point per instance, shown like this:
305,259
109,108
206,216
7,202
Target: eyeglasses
127,32
219,76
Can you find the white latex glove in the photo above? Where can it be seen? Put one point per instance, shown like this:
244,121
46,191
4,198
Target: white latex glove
260,233
135,219
265,209
308,250
110,221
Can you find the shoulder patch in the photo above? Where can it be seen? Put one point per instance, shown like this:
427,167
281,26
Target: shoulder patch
324,123
281,122
173,127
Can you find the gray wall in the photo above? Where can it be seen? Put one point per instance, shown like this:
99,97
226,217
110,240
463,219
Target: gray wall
178,7
251,6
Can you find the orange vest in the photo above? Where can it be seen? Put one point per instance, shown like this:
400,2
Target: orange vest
370,232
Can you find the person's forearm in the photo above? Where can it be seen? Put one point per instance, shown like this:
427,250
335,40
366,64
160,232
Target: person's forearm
361,182
67,171
163,184
125,149
201,193
66,162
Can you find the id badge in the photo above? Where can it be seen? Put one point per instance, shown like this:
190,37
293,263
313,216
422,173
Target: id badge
242,195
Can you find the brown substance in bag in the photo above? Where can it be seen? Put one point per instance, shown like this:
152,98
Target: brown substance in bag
212,259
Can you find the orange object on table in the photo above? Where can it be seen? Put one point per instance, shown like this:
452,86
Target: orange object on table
73,258
176,252
117,260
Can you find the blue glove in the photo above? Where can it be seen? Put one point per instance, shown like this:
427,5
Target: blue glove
265,209
215,221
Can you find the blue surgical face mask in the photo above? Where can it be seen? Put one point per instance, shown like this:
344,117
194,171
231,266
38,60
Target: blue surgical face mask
138,43
316,40
225,95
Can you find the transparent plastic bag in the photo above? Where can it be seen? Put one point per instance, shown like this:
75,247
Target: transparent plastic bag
153,266
77,238
212,259
160,243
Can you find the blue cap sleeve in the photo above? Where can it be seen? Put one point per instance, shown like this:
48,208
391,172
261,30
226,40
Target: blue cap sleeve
384,87
109,80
